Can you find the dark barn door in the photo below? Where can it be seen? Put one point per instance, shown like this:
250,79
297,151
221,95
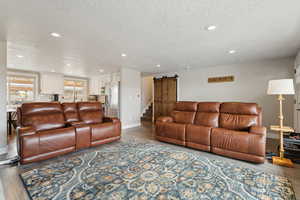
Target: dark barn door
165,95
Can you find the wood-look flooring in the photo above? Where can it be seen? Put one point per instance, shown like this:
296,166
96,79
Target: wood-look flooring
11,187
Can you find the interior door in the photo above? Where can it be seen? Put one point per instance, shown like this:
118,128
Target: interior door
157,98
297,108
165,95
297,100
172,94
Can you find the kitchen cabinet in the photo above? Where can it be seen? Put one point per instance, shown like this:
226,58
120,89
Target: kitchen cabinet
97,84
51,83
94,86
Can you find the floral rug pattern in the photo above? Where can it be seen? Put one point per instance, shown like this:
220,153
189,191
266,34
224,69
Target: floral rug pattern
150,171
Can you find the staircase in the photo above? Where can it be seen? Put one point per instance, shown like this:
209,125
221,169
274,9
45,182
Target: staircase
147,115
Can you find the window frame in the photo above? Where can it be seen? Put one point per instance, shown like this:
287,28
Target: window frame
23,74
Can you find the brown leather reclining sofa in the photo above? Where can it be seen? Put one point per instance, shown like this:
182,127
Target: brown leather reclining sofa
229,129
51,129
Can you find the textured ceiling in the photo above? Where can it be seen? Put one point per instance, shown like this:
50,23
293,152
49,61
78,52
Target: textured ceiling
166,32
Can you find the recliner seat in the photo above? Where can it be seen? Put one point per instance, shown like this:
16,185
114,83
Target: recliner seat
230,129
51,129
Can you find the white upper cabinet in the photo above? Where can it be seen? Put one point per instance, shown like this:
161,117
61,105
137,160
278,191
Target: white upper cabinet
52,83
94,86
105,80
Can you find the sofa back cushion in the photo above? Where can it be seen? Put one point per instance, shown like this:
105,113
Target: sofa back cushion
90,112
42,116
184,112
239,116
208,114
70,112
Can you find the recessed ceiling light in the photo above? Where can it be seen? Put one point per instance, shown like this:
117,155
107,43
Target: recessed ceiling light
123,55
157,65
69,65
232,51
52,70
211,27
55,35
20,56
101,70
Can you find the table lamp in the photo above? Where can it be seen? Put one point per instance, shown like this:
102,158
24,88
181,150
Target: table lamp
281,87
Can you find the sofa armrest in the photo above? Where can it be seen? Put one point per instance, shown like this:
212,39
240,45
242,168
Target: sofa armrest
27,130
76,123
259,130
111,119
164,119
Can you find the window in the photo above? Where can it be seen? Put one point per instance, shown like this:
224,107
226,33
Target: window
20,88
75,90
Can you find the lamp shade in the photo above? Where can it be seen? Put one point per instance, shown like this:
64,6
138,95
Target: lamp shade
281,86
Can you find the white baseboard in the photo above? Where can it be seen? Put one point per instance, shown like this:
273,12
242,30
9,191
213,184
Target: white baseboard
131,126
3,150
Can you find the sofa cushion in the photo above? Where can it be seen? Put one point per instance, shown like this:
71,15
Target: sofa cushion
207,114
186,106
90,112
183,117
184,112
239,108
238,116
171,130
103,131
238,141
198,137
52,140
42,116
40,107
70,112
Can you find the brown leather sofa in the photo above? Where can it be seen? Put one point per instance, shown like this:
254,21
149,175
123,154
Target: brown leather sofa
230,129
51,129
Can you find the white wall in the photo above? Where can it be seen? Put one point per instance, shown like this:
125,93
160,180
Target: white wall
104,80
3,128
250,85
130,98
297,94
147,89
297,61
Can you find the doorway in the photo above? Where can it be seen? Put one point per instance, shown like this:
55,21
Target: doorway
165,95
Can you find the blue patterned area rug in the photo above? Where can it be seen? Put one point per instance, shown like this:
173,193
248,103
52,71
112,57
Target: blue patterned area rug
150,171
